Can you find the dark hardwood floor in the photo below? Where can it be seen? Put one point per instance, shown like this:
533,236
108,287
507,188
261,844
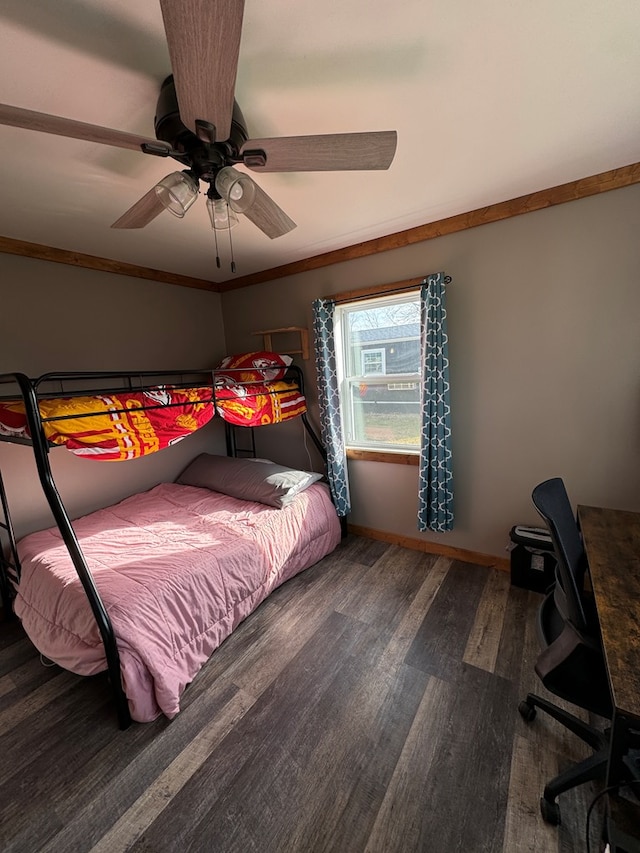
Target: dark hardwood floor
370,704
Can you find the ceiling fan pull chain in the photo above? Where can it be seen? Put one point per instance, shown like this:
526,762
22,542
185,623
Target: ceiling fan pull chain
233,263
215,237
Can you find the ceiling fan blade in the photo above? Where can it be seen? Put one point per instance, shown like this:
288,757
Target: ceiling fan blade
31,120
266,215
330,152
142,212
204,43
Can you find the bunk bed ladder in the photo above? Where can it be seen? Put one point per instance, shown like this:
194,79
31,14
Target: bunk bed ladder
9,560
233,449
41,453
232,445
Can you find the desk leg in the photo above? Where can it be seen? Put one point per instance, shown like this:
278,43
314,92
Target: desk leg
620,742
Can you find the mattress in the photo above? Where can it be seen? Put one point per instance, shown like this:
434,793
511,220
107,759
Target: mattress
178,568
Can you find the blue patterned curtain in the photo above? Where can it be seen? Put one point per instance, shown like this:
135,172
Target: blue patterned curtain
329,404
435,484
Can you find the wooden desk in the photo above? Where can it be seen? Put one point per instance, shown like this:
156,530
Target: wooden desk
612,544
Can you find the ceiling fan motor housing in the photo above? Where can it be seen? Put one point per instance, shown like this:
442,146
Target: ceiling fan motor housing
205,159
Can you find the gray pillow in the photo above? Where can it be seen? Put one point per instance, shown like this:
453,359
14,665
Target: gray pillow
247,479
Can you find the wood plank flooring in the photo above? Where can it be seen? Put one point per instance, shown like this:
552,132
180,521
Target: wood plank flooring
368,706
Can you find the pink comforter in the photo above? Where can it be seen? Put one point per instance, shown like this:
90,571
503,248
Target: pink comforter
178,568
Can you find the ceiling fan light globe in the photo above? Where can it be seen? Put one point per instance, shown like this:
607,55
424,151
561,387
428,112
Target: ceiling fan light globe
237,189
221,216
177,192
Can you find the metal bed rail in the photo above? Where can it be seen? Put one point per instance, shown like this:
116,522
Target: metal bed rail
139,382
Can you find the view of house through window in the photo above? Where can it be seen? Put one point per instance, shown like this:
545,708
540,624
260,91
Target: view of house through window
378,354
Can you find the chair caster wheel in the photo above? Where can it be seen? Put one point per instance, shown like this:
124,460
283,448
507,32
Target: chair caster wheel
527,711
550,812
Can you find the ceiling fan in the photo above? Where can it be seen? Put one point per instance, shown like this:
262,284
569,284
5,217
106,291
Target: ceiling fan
199,124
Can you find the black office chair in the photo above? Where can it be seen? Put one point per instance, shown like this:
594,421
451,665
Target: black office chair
571,664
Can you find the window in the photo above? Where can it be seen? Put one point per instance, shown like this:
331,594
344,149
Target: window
402,386
372,361
378,355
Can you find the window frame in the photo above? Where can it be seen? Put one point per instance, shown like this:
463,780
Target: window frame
403,454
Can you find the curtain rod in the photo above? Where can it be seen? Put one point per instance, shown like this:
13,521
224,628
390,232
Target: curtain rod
399,287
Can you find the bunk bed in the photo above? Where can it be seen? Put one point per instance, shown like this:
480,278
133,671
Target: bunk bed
149,588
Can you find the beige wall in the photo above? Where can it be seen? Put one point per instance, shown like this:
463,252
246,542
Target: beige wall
544,322
57,317
544,327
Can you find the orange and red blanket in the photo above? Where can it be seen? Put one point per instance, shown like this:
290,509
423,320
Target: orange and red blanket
135,423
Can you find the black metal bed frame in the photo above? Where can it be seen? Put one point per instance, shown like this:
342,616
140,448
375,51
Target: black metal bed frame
30,390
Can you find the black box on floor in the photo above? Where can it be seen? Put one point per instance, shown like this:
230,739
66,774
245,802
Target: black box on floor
533,562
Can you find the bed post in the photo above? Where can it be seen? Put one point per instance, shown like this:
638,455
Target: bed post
230,438
41,452
316,440
9,565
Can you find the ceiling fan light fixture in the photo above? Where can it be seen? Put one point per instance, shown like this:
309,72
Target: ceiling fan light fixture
237,189
177,192
221,215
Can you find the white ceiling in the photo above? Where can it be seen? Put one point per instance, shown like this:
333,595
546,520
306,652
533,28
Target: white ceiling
491,99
